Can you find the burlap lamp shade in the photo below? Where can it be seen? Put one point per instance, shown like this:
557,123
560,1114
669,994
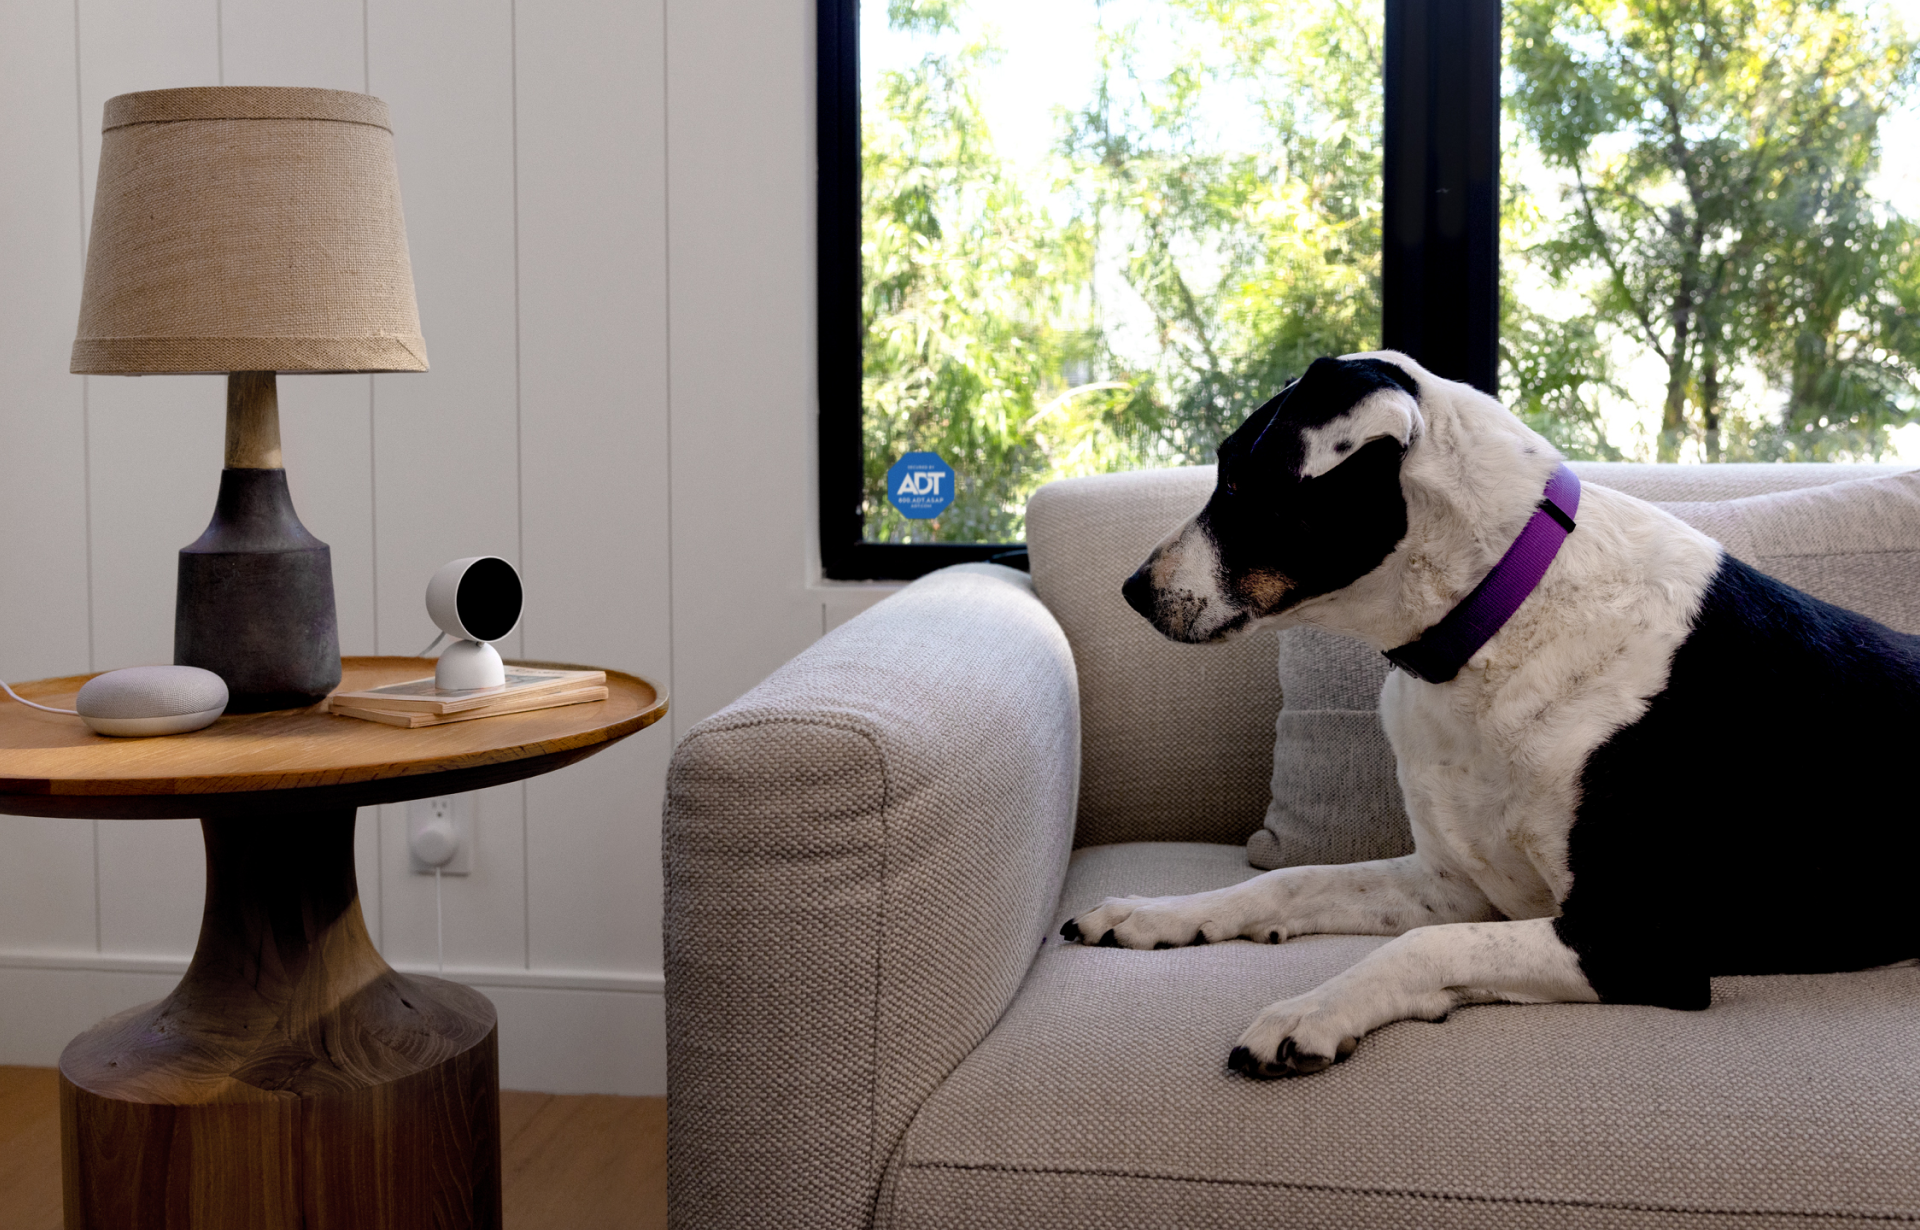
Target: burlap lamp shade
250,230
245,228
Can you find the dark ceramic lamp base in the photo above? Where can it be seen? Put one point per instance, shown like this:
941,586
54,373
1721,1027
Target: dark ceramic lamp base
255,598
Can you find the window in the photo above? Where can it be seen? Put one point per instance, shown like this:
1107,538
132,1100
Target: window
1708,234
1088,235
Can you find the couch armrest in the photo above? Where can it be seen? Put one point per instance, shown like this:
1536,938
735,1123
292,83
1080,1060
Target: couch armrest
862,857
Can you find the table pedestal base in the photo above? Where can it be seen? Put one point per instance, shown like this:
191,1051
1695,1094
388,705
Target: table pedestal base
292,1079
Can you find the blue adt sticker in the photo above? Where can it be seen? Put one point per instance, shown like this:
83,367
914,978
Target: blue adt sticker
920,485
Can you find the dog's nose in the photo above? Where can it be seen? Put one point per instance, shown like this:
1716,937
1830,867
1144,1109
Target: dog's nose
1138,591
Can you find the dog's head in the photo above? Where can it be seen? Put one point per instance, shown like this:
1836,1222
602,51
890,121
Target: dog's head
1308,501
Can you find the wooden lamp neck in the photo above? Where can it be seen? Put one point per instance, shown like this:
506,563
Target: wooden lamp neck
253,422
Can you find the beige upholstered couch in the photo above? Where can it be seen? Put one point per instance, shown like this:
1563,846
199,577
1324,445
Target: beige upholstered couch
871,1020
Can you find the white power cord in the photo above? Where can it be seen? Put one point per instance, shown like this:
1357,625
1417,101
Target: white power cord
430,648
432,841
49,708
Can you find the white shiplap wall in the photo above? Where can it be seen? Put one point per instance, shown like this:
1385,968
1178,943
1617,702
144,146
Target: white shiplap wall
611,218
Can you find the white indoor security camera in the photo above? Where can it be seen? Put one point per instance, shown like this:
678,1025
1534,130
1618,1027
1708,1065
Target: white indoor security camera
475,600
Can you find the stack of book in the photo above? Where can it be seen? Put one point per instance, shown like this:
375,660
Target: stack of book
417,702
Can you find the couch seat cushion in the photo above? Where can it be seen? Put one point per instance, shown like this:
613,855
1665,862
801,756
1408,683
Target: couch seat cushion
1102,1098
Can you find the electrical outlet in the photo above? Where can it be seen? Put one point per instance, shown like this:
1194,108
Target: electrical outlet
433,825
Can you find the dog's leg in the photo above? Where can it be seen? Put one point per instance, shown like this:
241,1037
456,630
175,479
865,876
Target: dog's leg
1422,975
1384,897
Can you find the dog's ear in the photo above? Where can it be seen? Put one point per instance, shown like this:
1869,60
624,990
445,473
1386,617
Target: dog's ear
1389,412
1354,402
1326,416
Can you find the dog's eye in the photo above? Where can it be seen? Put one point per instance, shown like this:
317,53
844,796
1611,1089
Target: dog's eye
1229,486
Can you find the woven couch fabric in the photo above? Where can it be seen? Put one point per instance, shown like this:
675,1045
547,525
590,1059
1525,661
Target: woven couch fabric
1177,739
862,855
1856,544
1733,481
1847,534
1102,1099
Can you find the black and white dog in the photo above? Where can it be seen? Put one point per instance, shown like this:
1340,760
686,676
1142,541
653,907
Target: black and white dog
1661,767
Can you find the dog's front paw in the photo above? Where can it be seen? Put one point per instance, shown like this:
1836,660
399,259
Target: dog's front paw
1161,922
1294,1037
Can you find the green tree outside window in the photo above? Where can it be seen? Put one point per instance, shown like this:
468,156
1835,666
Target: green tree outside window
1702,194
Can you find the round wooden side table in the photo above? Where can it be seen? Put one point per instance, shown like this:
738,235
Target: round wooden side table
292,1079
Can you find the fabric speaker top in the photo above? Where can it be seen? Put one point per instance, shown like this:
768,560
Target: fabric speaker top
247,228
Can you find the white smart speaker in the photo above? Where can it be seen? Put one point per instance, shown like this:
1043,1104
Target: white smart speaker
476,601
151,700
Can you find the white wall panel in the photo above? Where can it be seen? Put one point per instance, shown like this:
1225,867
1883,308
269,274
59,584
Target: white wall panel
484,911
46,866
128,45
153,882
593,274
593,843
46,883
318,43
741,213
446,466
610,211
43,549
326,432
581,1041
157,446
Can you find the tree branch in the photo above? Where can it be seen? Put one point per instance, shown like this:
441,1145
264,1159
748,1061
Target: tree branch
1613,266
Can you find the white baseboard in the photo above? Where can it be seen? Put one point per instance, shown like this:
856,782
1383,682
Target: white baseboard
561,1031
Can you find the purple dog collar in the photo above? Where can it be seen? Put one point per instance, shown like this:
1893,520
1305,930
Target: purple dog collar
1445,647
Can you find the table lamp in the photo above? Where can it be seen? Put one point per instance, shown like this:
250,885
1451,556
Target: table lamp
250,230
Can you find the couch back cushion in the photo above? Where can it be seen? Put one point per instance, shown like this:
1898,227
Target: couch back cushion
1176,740
1179,741
1854,544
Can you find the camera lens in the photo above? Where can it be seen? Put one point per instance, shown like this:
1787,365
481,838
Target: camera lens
489,598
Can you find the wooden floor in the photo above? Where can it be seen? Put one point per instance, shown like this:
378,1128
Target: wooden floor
579,1162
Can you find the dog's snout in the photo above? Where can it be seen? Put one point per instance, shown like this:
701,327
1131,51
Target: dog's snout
1138,590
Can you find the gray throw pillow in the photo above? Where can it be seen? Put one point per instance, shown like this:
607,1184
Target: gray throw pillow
1336,798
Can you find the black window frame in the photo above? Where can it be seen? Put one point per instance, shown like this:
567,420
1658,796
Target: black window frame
1440,244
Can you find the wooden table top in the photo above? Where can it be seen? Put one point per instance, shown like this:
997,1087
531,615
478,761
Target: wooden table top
52,765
